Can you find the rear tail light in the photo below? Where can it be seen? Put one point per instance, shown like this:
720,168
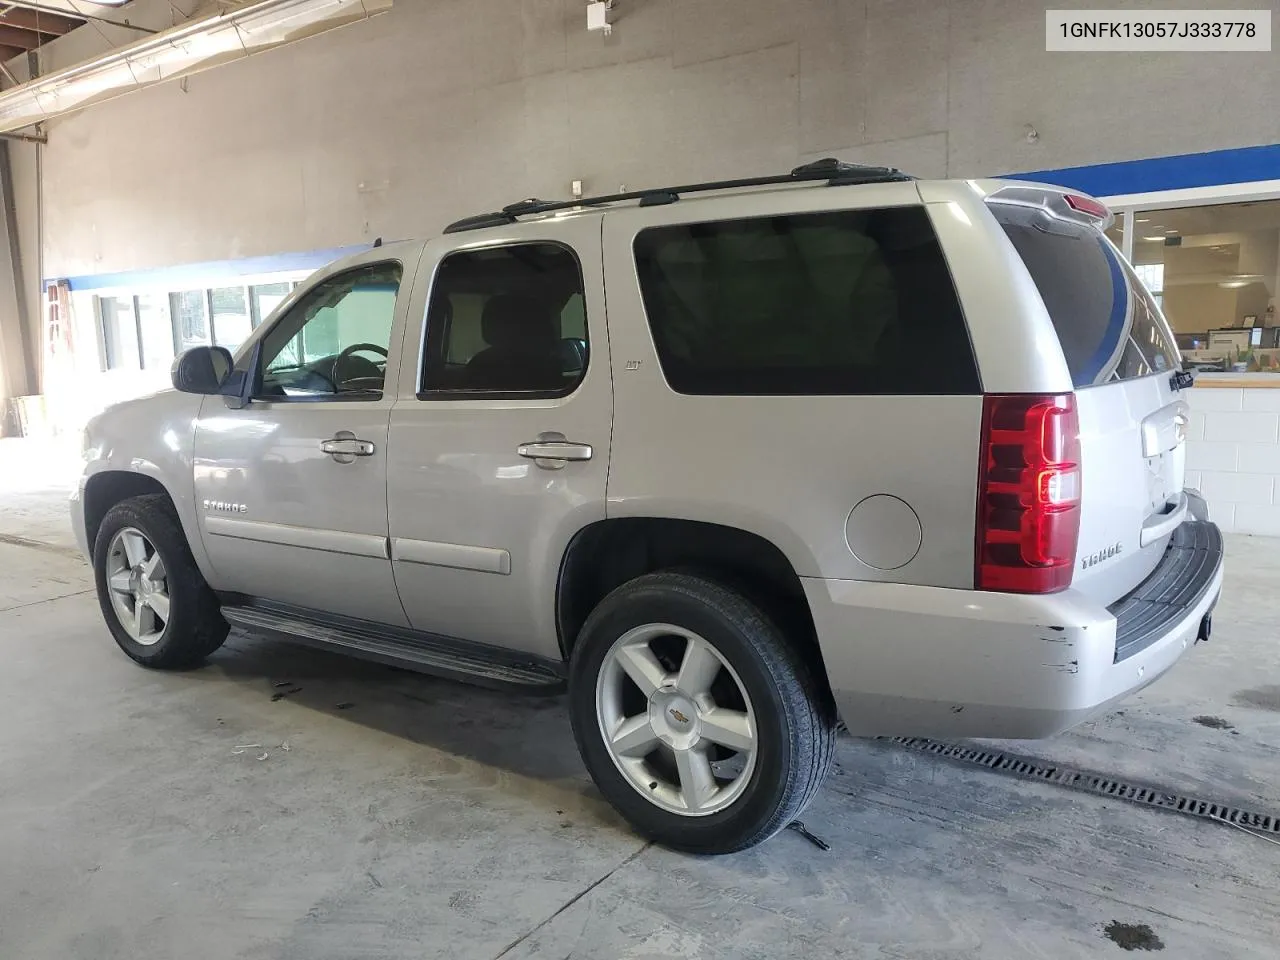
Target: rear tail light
1028,493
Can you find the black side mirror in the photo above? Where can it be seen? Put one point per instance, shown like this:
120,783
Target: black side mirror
202,370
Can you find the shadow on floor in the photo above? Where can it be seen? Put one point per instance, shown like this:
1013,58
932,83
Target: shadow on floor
523,734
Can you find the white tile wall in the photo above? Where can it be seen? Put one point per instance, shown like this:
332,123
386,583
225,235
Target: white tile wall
1233,456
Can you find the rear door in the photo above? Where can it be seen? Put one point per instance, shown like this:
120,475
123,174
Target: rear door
1122,356
500,441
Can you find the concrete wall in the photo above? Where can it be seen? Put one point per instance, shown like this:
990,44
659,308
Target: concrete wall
1233,456
443,108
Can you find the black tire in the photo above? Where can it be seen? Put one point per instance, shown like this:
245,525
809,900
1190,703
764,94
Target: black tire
795,716
195,628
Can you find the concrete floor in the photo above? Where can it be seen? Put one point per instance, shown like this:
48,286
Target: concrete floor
409,817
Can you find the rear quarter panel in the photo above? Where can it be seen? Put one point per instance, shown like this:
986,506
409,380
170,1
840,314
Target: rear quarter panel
790,469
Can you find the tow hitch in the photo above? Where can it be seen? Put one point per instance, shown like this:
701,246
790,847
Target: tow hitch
1206,627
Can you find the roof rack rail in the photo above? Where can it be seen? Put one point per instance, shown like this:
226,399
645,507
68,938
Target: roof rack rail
835,172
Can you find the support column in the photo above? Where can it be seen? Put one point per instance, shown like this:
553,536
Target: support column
18,372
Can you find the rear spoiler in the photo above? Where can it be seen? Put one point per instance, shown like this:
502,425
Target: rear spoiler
1061,204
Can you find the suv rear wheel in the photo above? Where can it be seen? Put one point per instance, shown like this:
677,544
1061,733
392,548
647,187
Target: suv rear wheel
695,717
156,604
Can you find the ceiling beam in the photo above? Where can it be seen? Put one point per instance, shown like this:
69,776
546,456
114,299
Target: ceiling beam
22,39
81,9
50,23
8,53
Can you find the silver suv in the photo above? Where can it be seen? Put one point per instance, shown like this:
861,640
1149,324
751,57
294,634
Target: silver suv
730,462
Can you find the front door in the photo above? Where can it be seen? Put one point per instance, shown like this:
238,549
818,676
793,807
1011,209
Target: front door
291,488
500,440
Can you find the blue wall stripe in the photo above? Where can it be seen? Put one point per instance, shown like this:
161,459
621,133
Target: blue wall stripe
199,275
1217,167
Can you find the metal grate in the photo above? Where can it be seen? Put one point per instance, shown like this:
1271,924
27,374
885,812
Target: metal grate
1094,783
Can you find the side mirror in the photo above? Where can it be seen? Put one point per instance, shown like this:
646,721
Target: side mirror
202,370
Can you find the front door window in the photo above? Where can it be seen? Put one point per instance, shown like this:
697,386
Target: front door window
335,340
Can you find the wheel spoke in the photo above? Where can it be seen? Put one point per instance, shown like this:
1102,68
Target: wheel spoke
642,667
699,668
634,737
697,782
133,621
729,728
135,548
146,618
153,569
159,603
121,582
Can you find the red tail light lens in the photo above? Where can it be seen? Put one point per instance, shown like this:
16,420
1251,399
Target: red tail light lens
1088,206
1028,493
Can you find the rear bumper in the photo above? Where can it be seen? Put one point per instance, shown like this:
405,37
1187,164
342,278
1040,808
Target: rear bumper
907,660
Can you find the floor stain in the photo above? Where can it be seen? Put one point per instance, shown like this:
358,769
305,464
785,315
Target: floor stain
1265,698
1213,723
1133,936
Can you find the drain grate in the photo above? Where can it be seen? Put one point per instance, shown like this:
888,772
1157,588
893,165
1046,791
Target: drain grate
1094,783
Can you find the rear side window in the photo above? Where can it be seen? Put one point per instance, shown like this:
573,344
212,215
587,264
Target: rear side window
506,321
849,302
1109,326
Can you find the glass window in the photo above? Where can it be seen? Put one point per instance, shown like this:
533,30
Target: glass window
336,339
119,333
190,312
854,302
231,321
1108,325
1219,278
157,331
507,320
265,297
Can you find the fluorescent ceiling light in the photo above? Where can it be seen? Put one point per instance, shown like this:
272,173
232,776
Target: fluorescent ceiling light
238,31
1161,238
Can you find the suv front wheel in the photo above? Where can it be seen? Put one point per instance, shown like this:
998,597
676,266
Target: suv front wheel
153,597
696,718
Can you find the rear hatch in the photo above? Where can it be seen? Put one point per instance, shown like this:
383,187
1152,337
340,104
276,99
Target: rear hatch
1122,356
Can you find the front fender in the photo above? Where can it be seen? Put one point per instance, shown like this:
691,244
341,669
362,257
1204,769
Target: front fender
150,437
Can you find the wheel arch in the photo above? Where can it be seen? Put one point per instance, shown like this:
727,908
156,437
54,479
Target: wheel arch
608,553
106,488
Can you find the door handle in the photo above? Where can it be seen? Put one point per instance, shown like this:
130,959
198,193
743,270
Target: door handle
344,448
552,451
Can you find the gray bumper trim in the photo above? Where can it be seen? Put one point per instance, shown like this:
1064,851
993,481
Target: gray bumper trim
1189,567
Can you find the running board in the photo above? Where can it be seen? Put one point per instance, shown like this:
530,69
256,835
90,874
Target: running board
476,663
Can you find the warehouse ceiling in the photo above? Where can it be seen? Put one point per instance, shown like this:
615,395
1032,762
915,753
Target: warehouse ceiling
24,28
230,30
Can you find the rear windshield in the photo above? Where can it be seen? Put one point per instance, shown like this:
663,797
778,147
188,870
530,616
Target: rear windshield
1109,327
850,302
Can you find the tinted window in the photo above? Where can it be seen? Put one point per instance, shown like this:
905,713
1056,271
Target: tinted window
506,320
336,339
1108,325
854,302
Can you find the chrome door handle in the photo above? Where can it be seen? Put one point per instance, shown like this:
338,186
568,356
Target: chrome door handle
552,451
345,449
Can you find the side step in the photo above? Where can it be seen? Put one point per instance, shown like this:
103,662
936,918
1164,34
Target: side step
477,663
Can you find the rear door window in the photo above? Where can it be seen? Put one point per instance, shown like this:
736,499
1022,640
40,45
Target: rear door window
1109,326
847,302
506,322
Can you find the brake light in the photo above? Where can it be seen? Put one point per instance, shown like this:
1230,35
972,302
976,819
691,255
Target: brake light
1088,206
1028,493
